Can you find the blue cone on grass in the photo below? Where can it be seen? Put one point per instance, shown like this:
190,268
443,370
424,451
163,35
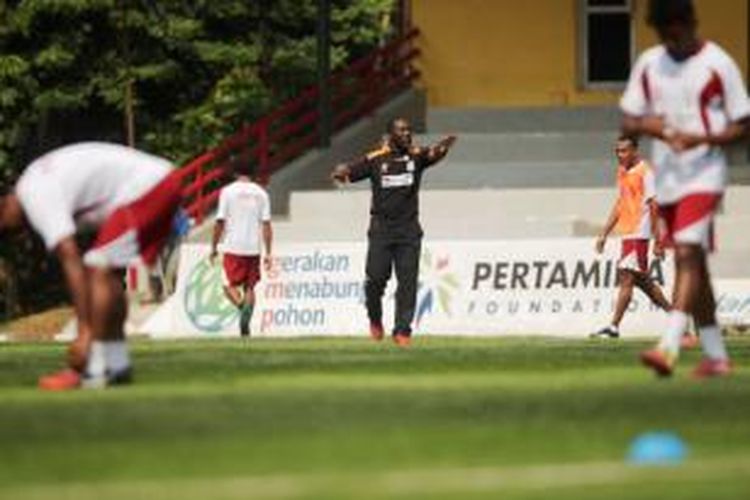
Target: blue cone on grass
657,448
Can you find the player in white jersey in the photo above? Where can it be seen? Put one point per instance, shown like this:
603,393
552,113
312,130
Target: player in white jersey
242,218
130,197
688,95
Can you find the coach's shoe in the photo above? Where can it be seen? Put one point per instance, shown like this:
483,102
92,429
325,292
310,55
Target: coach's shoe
109,379
689,341
376,332
402,339
64,380
607,331
658,361
708,368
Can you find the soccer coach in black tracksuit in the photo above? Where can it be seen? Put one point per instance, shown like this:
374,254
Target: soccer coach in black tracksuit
395,172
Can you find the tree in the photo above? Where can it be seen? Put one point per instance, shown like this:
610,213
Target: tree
184,74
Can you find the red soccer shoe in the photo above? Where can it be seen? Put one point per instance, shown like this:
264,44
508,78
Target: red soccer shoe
709,368
657,361
64,380
401,339
376,332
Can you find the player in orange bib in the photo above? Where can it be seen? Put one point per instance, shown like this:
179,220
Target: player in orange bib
634,218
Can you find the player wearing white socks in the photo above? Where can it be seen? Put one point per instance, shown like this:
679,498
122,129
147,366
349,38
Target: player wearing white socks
688,94
131,198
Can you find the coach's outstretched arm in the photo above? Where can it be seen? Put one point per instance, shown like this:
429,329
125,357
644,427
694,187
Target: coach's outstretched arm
340,173
356,170
440,149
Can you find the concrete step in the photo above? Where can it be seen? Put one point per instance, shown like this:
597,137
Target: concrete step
342,203
530,146
508,208
581,118
518,174
309,206
435,227
584,173
483,213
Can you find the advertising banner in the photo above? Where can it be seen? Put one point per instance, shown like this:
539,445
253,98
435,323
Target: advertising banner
514,287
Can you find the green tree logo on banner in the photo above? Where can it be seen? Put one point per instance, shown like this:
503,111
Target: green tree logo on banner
204,300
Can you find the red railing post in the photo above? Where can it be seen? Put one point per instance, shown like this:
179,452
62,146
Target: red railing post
199,194
371,86
282,135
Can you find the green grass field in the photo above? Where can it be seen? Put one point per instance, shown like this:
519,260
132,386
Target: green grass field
313,418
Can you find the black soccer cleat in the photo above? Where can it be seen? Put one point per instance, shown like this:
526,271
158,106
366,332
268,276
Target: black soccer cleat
607,331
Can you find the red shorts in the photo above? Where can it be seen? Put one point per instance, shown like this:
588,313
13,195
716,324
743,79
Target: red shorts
241,270
634,255
139,229
691,220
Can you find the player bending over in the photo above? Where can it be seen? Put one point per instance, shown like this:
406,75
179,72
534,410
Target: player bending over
131,198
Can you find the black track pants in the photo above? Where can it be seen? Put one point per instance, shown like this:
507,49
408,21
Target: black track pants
382,255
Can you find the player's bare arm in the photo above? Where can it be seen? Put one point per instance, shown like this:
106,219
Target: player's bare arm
736,131
656,229
75,276
654,126
601,239
216,238
651,126
11,213
267,231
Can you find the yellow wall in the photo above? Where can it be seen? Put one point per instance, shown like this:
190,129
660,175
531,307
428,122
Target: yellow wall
524,52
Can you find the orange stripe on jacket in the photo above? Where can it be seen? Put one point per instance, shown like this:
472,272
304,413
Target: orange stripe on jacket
385,149
630,205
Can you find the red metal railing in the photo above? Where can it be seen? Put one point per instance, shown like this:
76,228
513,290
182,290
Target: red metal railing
287,132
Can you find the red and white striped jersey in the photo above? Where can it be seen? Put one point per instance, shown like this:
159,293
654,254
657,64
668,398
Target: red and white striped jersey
82,184
701,95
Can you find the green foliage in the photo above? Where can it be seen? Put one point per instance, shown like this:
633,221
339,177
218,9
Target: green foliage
65,64
197,69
